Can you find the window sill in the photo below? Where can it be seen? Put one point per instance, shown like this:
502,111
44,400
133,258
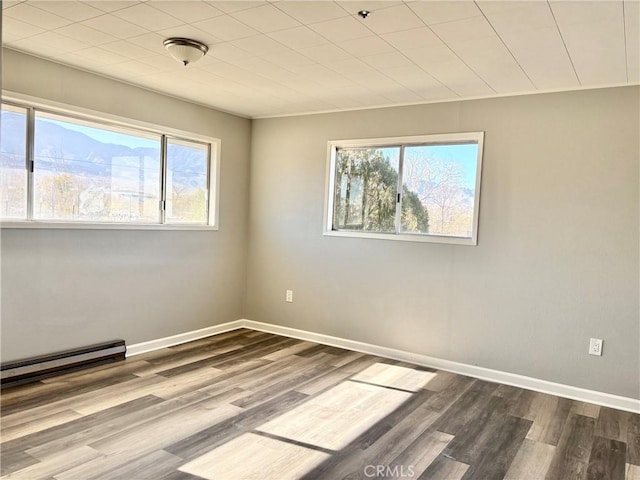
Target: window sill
100,226
405,237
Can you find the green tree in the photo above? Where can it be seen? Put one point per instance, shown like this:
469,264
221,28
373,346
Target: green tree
415,217
365,194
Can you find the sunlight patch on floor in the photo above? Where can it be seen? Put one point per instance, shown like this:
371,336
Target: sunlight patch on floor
307,434
336,417
395,376
255,457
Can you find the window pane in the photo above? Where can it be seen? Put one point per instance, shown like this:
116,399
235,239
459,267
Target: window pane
92,173
365,189
13,171
187,164
438,189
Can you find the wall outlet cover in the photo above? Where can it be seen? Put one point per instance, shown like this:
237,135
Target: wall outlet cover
595,346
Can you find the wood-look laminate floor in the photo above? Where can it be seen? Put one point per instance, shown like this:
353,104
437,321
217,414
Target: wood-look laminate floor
251,405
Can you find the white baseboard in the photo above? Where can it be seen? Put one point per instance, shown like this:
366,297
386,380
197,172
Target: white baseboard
543,386
143,347
567,391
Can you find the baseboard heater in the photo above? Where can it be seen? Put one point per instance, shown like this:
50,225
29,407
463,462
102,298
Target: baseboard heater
33,369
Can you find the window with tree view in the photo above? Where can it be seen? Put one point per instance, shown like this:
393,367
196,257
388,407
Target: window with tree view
413,188
59,168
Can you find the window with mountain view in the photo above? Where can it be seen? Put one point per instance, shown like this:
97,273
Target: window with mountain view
67,169
91,173
412,188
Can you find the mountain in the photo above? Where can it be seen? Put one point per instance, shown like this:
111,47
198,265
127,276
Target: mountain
13,132
79,153
62,149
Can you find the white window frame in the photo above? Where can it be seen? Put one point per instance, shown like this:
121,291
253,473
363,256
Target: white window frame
33,104
416,140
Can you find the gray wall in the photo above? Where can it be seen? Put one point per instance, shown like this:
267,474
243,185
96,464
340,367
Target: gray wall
67,288
557,259
558,252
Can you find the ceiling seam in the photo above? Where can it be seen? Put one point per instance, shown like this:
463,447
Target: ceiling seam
300,24
349,14
315,62
506,47
403,55
258,32
566,49
81,22
453,51
409,59
624,31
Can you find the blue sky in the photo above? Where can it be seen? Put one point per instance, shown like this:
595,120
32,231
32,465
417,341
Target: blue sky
466,156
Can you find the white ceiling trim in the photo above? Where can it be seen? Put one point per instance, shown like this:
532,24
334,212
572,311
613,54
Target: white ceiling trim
449,100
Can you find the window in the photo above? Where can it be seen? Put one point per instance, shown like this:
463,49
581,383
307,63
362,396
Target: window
424,188
62,168
187,168
90,173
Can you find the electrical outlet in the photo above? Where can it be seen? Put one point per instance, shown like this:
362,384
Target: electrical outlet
595,346
289,296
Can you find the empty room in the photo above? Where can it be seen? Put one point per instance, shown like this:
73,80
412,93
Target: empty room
320,240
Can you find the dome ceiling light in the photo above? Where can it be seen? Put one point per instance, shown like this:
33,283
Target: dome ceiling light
184,50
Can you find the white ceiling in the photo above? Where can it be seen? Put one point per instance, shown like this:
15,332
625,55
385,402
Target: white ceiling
286,57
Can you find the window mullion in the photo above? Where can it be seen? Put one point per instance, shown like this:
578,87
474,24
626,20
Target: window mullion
30,160
207,204
398,222
163,179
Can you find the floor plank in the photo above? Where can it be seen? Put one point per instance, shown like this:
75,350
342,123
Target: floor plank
148,467
15,461
499,449
54,464
65,432
574,448
37,425
532,461
422,452
607,460
466,407
95,427
612,424
633,439
444,468
467,445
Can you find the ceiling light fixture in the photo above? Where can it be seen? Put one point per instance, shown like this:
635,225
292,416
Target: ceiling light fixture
364,13
184,50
